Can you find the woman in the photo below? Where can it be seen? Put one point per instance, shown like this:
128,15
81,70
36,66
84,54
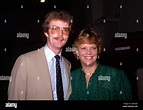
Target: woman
94,81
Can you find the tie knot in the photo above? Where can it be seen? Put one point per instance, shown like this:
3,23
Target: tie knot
57,57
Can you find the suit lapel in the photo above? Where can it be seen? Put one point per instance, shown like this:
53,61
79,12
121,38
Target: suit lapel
67,70
43,69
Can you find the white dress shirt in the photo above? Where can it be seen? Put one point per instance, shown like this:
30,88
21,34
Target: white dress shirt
50,56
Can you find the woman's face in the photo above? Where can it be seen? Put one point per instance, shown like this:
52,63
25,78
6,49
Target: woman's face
87,54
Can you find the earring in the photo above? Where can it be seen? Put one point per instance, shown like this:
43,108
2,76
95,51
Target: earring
98,57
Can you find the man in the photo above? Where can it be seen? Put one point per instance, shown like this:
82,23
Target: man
33,76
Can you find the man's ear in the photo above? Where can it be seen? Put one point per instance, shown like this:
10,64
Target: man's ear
46,34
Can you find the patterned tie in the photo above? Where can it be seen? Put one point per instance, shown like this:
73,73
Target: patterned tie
59,84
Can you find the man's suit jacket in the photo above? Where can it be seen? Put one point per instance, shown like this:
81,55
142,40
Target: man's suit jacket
30,78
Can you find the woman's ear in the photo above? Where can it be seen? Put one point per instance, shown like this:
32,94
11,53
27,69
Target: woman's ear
77,54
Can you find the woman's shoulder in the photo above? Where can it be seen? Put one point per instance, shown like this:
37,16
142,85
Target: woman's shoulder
108,67
111,69
75,74
77,70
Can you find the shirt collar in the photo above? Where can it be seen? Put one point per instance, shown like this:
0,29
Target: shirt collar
49,53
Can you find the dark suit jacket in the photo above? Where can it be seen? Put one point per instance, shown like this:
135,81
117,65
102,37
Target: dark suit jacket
30,78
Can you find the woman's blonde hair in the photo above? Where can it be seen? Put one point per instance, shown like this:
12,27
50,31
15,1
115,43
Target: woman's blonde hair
88,36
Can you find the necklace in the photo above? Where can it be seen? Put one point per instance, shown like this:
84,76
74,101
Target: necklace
88,74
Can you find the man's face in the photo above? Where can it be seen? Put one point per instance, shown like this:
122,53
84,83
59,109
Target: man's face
57,34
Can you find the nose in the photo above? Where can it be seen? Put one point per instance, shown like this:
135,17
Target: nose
61,32
88,51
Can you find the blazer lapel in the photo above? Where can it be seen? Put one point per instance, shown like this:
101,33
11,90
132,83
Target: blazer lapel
67,70
42,66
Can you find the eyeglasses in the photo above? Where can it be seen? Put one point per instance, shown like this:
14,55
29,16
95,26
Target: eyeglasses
56,29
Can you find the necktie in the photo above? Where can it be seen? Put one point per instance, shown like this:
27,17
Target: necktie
59,84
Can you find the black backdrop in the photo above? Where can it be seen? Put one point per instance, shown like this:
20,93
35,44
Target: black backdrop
20,32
